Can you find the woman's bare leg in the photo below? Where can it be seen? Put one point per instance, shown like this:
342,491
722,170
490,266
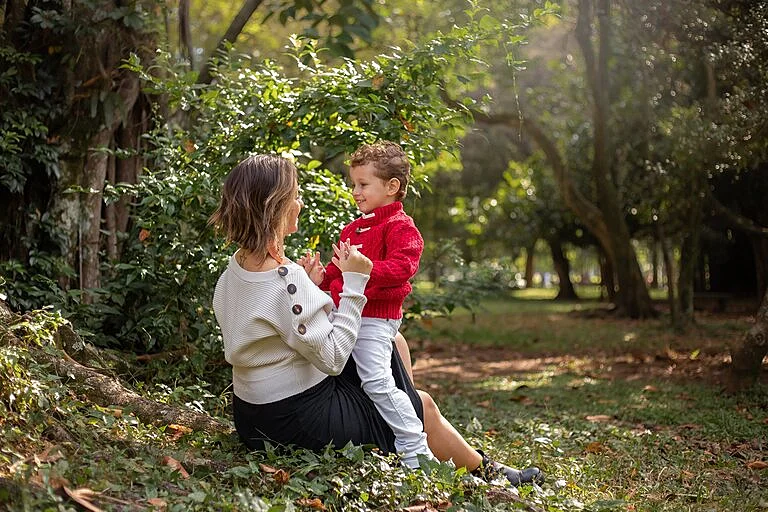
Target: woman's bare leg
405,354
444,440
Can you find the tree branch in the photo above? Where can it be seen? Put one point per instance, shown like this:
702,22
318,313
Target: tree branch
234,30
736,221
584,209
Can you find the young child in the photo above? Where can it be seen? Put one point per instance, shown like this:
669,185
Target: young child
387,236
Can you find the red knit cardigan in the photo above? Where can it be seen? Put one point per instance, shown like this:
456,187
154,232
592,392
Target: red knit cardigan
388,236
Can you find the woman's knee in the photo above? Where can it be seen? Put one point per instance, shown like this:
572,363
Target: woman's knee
430,407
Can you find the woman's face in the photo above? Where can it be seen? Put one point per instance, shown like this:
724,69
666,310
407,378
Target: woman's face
292,222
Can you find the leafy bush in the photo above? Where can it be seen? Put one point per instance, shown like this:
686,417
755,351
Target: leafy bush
156,295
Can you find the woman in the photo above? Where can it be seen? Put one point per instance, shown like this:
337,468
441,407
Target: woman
293,379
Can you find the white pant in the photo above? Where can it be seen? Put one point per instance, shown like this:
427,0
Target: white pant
373,356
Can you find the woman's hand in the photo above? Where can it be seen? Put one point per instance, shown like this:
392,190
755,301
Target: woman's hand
349,259
313,266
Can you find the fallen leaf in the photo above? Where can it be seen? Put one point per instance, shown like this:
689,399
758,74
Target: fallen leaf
315,503
267,469
757,464
377,82
176,431
173,463
281,477
484,403
420,506
595,447
189,146
651,389
691,426
82,496
687,475
491,432
599,418
143,235
158,502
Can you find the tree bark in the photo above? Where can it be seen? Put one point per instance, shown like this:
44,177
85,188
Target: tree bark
689,252
607,277
185,39
563,269
747,359
234,30
110,215
529,263
95,174
655,263
760,250
670,273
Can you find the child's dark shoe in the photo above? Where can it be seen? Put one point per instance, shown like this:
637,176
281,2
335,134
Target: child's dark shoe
489,469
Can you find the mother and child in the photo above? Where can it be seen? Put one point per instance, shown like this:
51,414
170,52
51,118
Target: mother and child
289,341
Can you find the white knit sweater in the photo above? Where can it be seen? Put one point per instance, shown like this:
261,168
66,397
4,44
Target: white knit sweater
280,335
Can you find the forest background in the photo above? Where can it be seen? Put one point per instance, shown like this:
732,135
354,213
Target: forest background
619,144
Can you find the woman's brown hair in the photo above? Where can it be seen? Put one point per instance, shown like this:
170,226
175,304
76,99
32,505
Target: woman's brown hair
255,202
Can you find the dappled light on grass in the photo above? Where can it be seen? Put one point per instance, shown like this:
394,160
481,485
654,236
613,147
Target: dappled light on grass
621,415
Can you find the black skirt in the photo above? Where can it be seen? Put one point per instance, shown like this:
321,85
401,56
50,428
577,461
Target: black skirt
335,411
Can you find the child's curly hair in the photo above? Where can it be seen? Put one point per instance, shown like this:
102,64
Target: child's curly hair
389,159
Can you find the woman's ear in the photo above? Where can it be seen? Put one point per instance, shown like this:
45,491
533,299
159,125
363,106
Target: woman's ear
393,186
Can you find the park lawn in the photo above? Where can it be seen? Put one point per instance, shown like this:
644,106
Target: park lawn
622,415
615,429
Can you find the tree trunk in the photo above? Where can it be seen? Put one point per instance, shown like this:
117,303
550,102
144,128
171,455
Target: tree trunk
185,40
529,263
655,270
632,297
670,271
747,359
110,215
607,281
129,169
760,250
689,252
563,269
95,174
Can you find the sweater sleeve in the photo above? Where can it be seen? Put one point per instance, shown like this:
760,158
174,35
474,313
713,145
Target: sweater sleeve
401,261
326,340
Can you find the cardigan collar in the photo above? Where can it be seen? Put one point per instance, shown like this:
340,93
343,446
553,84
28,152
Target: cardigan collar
380,214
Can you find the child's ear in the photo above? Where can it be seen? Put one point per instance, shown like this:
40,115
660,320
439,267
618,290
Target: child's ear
393,186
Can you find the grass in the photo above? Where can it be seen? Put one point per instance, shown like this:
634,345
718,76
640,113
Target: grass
622,416
541,385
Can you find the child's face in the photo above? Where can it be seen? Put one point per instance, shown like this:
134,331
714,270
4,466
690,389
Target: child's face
370,191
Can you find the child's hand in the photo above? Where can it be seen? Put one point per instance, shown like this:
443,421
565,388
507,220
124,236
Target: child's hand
349,259
313,267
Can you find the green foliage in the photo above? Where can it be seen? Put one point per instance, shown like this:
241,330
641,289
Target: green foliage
463,287
158,295
342,26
